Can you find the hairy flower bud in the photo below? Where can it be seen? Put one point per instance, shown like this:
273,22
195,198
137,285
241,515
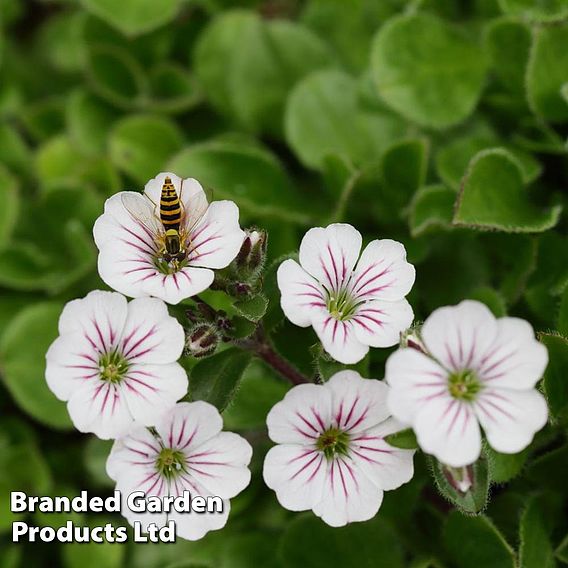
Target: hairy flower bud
253,251
202,340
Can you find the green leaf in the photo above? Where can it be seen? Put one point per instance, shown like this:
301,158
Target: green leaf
217,378
245,173
536,549
23,363
555,380
96,452
257,77
10,200
474,541
141,145
427,70
308,541
562,318
58,161
493,197
173,89
504,467
546,73
117,76
492,299
93,554
13,149
467,488
405,439
548,11
431,209
562,550
324,116
252,308
134,17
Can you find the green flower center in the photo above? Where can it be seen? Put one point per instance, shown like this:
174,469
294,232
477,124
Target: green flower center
170,462
333,442
112,367
464,385
341,306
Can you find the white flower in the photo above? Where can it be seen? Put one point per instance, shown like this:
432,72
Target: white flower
477,370
332,456
115,362
132,242
350,307
188,453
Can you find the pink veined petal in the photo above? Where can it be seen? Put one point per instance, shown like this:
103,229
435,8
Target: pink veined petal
70,363
193,526
297,474
150,334
173,288
510,417
330,254
152,390
357,403
98,318
188,425
100,407
300,293
448,429
379,324
459,336
415,379
302,416
216,240
387,467
383,272
220,464
348,495
515,360
338,338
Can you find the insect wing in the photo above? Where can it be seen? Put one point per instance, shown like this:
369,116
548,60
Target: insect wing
142,210
194,205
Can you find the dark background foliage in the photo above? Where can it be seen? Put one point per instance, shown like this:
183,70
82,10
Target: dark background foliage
439,123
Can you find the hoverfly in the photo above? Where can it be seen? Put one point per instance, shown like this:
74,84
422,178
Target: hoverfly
169,224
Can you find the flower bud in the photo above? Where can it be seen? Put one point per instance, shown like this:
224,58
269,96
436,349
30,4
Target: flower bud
253,251
202,340
411,338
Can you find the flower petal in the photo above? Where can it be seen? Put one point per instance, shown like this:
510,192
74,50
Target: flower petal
189,425
152,390
297,474
460,336
150,334
338,338
515,360
300,293
173,288
303,414
100,407
217,238
348,496
510,417
414,379
220,464
382,272
330,254
387,467
357,403
379,324
448,429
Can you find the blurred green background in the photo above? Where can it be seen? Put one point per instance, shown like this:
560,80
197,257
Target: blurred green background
439,123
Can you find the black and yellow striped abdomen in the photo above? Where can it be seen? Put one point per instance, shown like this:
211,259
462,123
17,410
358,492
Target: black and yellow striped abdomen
170,208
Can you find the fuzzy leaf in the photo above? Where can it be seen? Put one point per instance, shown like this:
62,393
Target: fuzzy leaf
536,549
252,308
556,375
504,467
405,439
431,209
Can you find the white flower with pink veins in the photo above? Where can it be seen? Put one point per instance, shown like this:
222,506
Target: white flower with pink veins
474,370
331,455
115,362
131,238
188,452
351,301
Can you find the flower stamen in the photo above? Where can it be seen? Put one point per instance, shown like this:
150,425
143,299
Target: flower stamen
112,367
333,442
464,384
170,462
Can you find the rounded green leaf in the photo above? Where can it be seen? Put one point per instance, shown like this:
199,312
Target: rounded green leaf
308,541
493,196
324,116
172,89
427,70
22,361
555,383
141,145
547,72
540,11
133,17
431,209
